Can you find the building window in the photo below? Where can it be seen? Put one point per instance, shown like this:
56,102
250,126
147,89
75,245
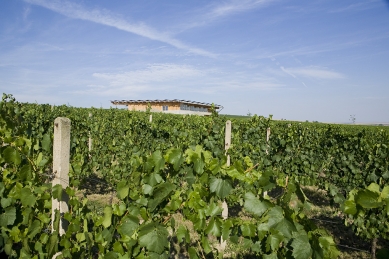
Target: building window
165,107
185,107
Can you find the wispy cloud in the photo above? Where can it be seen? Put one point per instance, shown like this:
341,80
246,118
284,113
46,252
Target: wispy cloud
156,77
26,12
227,8
354,40
235,6
288,72
312,72
358,6
175,78
105,17
235,86
154,73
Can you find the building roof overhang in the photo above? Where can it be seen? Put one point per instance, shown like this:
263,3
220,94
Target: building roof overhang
127,102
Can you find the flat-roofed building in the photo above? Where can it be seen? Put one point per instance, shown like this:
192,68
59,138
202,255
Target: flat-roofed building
169,106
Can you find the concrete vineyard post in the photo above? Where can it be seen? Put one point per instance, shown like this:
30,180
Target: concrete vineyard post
228,140
151,118
61,153
267,140
267,149
223,243
90,138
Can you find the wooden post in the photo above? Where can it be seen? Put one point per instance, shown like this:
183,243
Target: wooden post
61,153
223,243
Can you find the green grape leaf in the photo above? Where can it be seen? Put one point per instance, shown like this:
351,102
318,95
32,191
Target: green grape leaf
107,218
214,166
57,192
5,202
8,217
221,187
226,229
368,199
385,192
2,188
198,164
213,209
118,248
129,226
11,155
234,173
122,189
153,179
34,229
254,205
111,255
350,207
192,253
387,206
182,232
80,237
27,197
15,234
154,237
161,192
46,143
214,227
20,141
374,188
153,255
25,172
39,159
273,241
275,215
270,256
196,157
248,230
301,247
285,227
248,162
205,245
195,201
147,189
159,162
119,209
53,244
328,247
175,157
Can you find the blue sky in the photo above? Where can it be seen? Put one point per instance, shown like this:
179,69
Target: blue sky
316,60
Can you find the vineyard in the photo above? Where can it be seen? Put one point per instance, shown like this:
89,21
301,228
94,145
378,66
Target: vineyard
172,178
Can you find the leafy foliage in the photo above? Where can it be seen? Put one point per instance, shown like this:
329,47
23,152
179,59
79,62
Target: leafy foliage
177,164
367,210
